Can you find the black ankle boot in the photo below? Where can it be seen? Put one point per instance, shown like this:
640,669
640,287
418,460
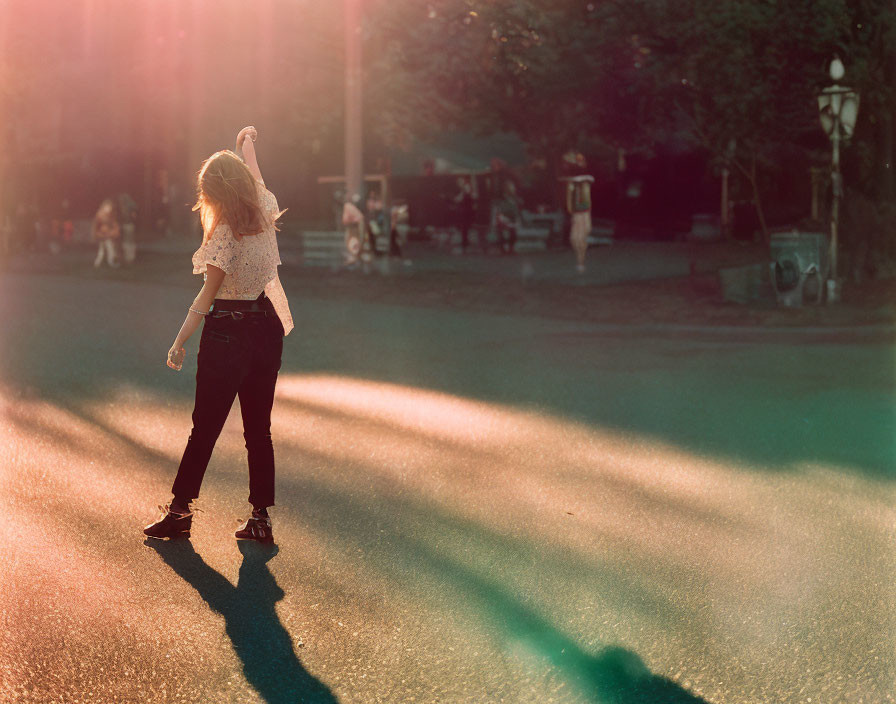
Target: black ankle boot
170,525
257,528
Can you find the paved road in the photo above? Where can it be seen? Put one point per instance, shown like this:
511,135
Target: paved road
471,508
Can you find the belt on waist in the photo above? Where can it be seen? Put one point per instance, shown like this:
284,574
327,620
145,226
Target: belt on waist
240,314
236,309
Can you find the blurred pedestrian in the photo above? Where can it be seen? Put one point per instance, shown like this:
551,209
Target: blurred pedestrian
376,217
246,315
398,234
465,202
106,233
508,218
578,204
353,222
495,187
127,208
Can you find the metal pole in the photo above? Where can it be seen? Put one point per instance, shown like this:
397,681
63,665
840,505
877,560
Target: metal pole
353,177
815,177
836,192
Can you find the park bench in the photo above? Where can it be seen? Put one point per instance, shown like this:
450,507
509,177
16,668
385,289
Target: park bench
322,247
536,229
541,230
601,231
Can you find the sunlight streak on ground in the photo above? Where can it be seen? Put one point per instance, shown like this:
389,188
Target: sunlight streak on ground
656,498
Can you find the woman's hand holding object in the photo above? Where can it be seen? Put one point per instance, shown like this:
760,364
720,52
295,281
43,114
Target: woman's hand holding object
176,356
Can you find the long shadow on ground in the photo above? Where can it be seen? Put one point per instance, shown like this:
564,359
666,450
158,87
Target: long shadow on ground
613,675
389,532
251,622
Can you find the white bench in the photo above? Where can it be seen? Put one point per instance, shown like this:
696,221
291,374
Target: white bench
536,229
601,231
323,247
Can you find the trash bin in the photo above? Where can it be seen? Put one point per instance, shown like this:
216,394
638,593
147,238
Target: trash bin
799,266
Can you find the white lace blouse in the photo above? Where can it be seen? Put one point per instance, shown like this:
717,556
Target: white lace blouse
249,262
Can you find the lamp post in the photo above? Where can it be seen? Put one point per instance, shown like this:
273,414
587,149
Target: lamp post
838,108
353,176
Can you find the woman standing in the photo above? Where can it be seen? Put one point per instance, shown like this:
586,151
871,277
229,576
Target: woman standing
246,315
578,204
106,232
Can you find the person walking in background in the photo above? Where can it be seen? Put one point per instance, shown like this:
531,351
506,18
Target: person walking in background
495,187
376,218
106,233
127,208
578,204
508,218
246,316
353,222
465,200
398,230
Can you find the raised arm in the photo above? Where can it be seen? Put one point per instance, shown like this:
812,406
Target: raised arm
245,147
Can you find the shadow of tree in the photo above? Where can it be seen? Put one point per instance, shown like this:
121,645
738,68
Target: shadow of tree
614,675
618,676
611,676
259,639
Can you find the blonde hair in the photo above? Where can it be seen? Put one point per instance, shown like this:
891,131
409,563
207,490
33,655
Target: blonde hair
226,191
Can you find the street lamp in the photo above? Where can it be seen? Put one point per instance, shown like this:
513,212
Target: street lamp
838,108
354,179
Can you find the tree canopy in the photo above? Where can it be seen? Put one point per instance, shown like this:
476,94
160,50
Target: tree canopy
736,77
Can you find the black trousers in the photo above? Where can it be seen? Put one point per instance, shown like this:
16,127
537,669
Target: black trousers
237,357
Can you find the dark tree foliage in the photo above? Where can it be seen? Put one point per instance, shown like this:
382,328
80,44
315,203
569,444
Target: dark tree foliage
738,78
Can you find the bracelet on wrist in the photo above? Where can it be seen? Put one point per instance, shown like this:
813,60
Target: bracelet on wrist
198,312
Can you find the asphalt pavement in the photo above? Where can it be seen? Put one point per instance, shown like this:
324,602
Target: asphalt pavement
483,496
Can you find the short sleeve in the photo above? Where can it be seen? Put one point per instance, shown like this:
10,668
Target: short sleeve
222,250
267,201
